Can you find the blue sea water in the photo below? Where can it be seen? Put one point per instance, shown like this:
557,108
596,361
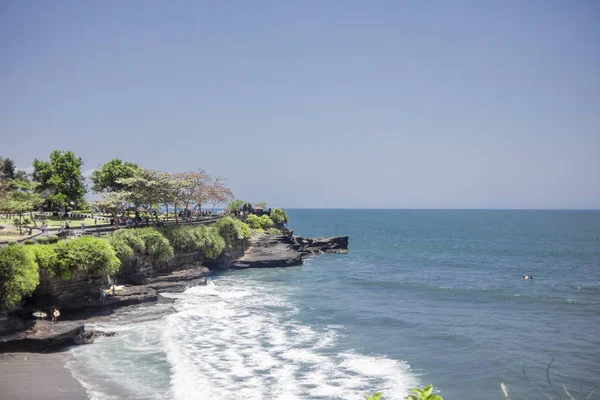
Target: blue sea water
423,296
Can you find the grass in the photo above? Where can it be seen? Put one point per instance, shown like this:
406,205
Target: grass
54,222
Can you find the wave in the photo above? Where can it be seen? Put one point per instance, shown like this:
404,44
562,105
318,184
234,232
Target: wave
238,347
230,339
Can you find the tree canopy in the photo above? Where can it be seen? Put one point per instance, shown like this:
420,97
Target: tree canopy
107,178
60,177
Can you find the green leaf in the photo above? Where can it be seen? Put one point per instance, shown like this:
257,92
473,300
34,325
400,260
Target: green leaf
375,396
411,397
435,397
427,391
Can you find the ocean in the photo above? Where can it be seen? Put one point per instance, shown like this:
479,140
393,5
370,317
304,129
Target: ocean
422,297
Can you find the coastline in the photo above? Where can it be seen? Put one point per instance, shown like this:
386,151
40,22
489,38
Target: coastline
38,375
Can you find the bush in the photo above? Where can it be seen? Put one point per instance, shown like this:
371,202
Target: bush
210,242
258,232
19,274
120,246
279,216
182,238
53,239
232,230
262,222
132,238
253,221
155,243
28,242
89,254
47,260
274,231
43,240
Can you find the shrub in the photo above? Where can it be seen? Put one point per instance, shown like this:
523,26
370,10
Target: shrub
90,254
279,216
232,230
53,239
253,221
182,238
47,260
43,240
18,274
28,241
120,246
132,238
266,222
210,242
262,222
258,232
274,231
155,243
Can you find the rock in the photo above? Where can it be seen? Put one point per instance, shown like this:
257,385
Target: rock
268,251
330,244
286,250
44,335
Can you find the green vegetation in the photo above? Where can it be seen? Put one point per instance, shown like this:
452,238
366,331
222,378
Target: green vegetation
210,242
274,231
60,177
419,394
236,205
89,254
47,260
262,222
279,216
155,243
107,178
18,274
28,242
232,230
424,394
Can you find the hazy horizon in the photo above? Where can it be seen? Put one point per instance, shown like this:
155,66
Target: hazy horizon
354,105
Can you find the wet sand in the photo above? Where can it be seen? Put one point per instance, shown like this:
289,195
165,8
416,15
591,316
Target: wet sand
38,376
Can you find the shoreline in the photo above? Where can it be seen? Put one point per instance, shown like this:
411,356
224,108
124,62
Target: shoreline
38,375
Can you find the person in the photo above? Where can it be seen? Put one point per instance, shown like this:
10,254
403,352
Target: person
82,225
62,226
55,314
102,295
43,228
67,225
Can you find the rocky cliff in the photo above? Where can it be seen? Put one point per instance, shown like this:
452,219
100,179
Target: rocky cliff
141,280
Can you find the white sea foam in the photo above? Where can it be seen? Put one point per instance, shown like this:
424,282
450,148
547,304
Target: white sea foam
238,347
232,339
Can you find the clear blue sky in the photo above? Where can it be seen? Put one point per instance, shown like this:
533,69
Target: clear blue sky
375,104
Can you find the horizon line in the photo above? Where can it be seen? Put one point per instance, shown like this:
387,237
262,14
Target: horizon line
444,209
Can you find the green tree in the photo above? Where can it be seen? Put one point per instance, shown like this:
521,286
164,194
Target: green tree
7,168
107,178
279,216
236,205
20,202
18,274
60,177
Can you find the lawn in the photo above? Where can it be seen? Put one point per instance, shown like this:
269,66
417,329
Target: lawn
54,222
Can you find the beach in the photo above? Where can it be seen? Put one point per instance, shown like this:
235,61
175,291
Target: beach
35,376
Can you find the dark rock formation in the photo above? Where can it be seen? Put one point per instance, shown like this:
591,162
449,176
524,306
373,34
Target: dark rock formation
330,244
178,281
43,335
269,251
285,250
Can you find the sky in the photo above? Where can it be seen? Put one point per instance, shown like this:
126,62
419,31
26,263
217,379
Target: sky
311,104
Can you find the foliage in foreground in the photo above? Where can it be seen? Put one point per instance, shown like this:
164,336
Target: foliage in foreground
18,274
419,394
